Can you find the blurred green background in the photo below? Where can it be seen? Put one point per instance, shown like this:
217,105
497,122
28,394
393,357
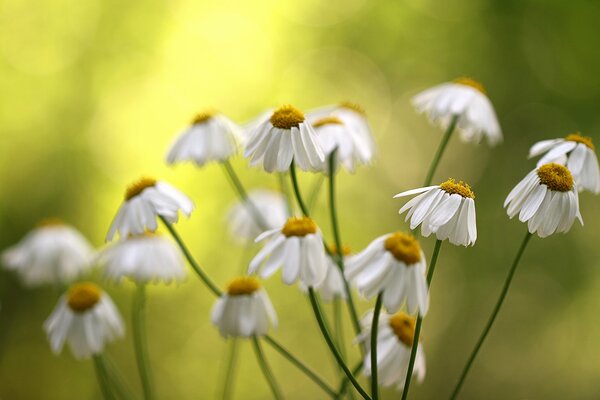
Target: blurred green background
92,92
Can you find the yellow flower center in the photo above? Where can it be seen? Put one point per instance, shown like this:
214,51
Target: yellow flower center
243,285
577,137
353,107
404,247
83,296
557,177
461,188
403,326
299,226
287,117
203,116
333,249
138,187
328,121
470,82
52,221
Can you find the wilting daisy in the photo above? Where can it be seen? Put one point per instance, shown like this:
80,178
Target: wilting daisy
85,318
466,100
143,258
211,137
297,248
577,153
395,335
448,210
283,137
395,265
271,206
245,310
333,284
145,200
52,253
546,199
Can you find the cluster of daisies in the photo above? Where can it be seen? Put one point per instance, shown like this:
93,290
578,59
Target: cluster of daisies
392,267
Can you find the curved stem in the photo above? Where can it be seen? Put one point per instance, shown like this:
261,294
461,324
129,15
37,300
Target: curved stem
338,326
344,384
227,386
121,387
314,192
296,187
264,366
374,326
440,151
102,376
492,318
140,343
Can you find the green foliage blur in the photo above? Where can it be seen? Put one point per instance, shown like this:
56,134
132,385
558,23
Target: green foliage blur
92,92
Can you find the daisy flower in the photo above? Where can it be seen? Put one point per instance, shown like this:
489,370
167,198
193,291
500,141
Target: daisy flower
283,137
211,137
145,200
448,210
465,100
395,265
332,285
144,258
245,310
297,248
85,318
546,199
577,153
52,253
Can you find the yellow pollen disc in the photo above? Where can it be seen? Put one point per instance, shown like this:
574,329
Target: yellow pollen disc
404,247
470,82
52,221
333,249
83,296
353,106
577,137
328,121
403,326
138,187
203,116
287,117
299,226
557,177
243,285
461,188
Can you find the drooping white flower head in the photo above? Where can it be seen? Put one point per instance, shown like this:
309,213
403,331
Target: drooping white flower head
52,253
85,318
211,137
245,310
577,153
271,206
333,285
283,137
466,100
146,200
395,265
395,334
297,248
448,210
146,257
546,199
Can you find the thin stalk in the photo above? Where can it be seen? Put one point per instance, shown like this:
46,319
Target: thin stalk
315,190
338,326
120,385
344,384
296,187
493,316
264,366
228,381
241,191
440,150
140,342
102,376
374,326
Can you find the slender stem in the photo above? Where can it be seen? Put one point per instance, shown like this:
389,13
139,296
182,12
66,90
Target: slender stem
120,385
102,376
344,384
264,366
338,326
492,318
440,150
415,345
315,190
228,381
374,326
140,343
296,187
331,344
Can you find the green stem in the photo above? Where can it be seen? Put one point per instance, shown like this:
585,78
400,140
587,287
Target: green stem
374,326
116,378
415,345
264,366
344,384
140,343
102,376
338,326
296,187
492,318
440,150
315,190
227,387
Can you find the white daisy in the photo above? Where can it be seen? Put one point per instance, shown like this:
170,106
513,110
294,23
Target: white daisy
577,153
245,310
297,248
85,318
395,335
546,199
448,210
52,253
145,200
466,100
211,137
332,285
395,265
283,137
143,258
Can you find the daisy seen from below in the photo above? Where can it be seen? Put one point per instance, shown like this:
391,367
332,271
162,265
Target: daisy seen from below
244,310
145,200
577,153
546,199
464,103
332,285
51,253
85,318
447,209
